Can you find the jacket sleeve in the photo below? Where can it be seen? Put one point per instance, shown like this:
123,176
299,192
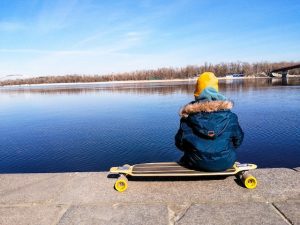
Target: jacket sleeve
237,132
178,138
182,137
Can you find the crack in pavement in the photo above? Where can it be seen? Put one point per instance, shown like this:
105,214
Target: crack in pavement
281,214
177,212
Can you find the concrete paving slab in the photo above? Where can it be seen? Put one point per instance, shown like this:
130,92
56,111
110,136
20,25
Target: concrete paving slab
43,191
12,182
89,188
29,215
116,214
278,184
96,187
228,214
290,210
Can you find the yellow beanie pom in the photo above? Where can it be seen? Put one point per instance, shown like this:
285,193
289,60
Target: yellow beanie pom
206,79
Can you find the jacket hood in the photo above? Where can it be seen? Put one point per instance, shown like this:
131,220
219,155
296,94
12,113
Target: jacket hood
205,106
214,117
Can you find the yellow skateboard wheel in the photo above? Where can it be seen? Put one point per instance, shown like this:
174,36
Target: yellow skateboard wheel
121,184
249,181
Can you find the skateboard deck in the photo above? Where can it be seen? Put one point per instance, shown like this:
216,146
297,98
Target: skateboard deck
174,169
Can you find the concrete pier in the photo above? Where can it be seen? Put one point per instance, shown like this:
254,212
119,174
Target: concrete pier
89,198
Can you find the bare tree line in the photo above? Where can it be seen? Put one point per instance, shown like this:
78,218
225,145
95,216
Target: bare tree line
220,70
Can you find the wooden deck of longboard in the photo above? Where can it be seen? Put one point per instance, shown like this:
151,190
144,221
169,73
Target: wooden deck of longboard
174,169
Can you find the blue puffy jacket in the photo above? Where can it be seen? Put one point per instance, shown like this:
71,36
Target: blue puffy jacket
209,133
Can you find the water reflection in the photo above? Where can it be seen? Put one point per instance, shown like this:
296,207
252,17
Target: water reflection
149,88
139,88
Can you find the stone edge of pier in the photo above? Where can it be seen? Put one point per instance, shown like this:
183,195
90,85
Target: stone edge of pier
89,198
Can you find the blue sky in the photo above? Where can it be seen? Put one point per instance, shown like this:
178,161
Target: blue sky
58,37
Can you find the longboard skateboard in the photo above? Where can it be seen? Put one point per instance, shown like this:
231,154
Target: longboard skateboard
174,169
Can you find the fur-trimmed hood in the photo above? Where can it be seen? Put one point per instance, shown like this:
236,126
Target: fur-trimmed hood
205,106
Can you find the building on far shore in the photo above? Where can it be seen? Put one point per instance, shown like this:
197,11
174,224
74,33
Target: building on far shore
234,75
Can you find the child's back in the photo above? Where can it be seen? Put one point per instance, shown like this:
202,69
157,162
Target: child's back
209,132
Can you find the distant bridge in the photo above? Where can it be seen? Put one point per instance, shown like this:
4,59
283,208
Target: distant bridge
284,70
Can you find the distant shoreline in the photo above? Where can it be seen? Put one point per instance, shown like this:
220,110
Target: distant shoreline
138,81
127,82
164,74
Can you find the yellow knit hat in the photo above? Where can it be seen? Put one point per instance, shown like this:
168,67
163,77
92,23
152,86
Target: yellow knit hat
206,79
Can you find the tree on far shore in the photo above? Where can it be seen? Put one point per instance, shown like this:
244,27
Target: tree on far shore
190,71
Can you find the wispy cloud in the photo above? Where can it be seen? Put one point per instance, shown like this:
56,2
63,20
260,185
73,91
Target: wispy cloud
128,41
22,50
56,15
124,27
11,26
134,36
41,51
125,41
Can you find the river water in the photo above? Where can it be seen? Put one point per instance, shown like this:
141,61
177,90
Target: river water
91,127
